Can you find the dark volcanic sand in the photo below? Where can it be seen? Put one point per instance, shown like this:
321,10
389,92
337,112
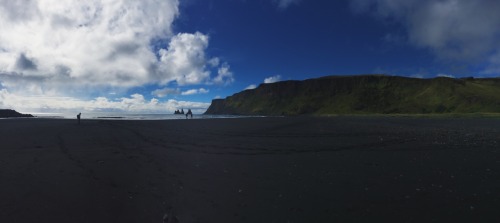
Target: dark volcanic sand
341,169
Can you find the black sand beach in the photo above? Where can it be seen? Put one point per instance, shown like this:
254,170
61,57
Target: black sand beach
303,169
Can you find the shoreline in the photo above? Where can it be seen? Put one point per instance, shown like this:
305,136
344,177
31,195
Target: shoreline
133,116
140,117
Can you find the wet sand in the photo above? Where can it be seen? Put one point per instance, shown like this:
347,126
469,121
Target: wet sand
298,169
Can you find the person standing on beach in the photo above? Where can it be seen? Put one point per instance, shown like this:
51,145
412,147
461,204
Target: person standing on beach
78,117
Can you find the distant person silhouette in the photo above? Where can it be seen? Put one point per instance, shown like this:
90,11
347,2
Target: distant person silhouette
189,113
78,117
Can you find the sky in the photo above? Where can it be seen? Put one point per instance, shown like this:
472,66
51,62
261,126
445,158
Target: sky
157,56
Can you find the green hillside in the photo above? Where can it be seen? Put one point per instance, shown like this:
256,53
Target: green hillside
366,94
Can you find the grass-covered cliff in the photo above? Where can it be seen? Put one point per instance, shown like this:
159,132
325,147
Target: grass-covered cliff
367,94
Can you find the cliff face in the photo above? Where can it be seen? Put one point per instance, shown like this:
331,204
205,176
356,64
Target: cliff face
364,95
218,106
9,113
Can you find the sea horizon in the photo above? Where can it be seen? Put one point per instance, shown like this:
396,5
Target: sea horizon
127,116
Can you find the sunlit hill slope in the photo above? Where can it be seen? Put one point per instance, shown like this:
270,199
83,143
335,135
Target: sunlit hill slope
366,94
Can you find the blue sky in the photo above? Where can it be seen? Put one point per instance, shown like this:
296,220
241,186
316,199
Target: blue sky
158,56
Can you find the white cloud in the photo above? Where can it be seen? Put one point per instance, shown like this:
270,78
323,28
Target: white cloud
445,75
184,60
224,75
203,91
176,91
284,4
105,42
190,92
252,86
64,47
195,91
459,30
214,62
134,103
272,79
166,91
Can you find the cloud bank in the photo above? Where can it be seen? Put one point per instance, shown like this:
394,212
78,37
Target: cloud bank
455,30
134,103
55,47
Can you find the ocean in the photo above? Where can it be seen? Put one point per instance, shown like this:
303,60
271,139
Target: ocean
128,116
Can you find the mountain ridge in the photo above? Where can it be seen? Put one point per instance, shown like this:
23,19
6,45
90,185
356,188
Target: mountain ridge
9,113
364,94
